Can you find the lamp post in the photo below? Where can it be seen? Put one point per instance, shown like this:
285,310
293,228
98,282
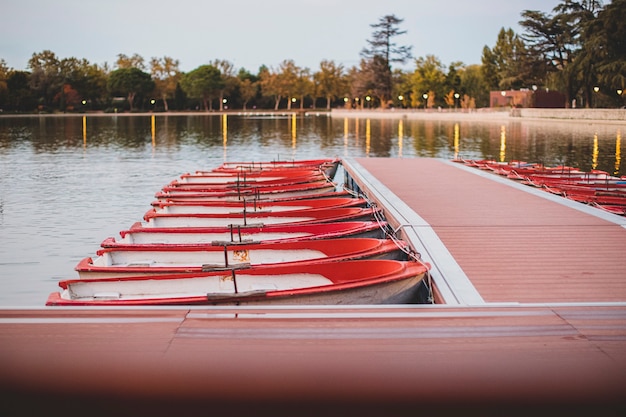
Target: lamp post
368,99
401,98
596,89
224,101
425,97
456,99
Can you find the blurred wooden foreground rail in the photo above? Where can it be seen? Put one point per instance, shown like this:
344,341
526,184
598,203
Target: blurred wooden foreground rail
534,324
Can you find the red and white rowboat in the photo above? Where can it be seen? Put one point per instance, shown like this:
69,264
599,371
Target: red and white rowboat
155,219
116,263
329,166
153,237
273,198
281,191
350,282
254,206
261,176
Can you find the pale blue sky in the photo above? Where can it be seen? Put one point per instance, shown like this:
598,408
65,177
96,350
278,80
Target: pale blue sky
250,33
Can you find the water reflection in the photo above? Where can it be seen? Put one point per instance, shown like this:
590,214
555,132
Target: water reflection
84,131
502,143
582,145
456,140
618,152
368,136
400,136
595,153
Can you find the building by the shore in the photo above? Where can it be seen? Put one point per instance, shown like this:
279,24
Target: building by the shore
527,98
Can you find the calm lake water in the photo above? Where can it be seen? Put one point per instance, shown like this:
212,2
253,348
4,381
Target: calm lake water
68,182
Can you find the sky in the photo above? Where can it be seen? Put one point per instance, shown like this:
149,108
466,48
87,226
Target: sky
251,33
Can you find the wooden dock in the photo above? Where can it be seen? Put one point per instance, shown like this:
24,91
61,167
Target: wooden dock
530,320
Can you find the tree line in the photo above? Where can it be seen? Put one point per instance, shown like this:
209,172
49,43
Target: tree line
579,49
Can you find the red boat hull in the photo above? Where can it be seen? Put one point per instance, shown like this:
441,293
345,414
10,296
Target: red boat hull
349,282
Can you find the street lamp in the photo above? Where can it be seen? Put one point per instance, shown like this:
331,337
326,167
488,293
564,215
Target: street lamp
456,99
401,98
595,99
368,98
425,97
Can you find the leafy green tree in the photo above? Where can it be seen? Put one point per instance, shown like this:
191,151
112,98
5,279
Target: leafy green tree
552,42
203,83
130,82
94,84
428,78
604,50
506,65
4,89
473,85
330,81
382,52
166,76
21,96
402,88
229,79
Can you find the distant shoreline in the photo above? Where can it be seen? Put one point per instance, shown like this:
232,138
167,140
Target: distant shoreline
587,116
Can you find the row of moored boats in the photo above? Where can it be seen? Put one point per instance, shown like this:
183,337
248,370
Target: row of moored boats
248,233
596,188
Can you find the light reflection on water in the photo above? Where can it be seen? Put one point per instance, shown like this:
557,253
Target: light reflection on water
66,183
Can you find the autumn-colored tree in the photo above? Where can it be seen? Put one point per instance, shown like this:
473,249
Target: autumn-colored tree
450,99
304,86
280,83
288,74
134,61
330,81
248,86
247,91
69,97
166,76
269,85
